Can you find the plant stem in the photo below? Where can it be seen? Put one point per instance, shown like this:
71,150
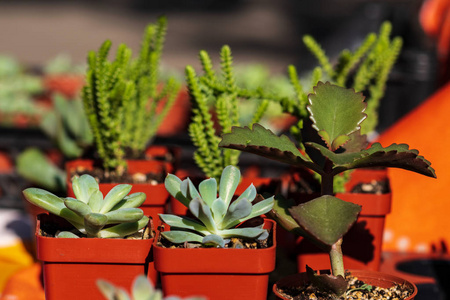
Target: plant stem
336,259
327,179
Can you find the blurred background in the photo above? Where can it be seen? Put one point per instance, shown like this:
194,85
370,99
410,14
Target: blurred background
39,39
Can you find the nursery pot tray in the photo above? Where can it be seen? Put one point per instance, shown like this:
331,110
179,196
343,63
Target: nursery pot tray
373,278
216,273
71,266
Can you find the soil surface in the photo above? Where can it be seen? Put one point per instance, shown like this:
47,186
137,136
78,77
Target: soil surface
103,176
357,290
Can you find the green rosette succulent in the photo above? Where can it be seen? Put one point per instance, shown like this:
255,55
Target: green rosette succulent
216,217
142,289
114,216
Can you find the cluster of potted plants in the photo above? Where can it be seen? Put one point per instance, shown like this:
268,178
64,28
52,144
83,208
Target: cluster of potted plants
222,243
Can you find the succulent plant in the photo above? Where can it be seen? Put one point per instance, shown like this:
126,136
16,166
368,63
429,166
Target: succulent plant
336,114
90,213
142,289
217,217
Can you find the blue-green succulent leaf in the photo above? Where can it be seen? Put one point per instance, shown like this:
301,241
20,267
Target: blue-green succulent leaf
142,288
208,190
52,204
178,236
238,209
115,195
249,233
259,209
123,229
177,188
77,206
130,201
249,193
183,222
202,212
218,209
93,223
213,240
84,186
193,193
106,288
229,181
124,215
67,235
95,201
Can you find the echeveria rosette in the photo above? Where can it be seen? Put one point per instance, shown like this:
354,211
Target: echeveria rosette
216,217
90,212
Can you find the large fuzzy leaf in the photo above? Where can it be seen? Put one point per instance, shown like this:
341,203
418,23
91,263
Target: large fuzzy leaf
326,218
262,141
336,112
396,155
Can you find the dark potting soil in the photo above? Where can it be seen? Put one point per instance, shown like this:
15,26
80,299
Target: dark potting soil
103,176
356,291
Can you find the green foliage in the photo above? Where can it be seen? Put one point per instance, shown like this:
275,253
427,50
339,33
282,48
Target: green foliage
142,289
114,216
34,166
122,98
17,90
221,93
217,217
336,113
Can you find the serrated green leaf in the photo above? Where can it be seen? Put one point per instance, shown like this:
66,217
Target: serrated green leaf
263,142
335,112
326,218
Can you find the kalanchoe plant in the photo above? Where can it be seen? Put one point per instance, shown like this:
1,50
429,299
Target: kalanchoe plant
336,114
114,216
217,217
121,98
142,289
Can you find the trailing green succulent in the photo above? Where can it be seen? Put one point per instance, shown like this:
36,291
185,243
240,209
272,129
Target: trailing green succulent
90,213
221,92
336,114
217,217
142,289
122,98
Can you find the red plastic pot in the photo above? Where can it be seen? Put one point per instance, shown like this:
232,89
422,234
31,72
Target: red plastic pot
157,196
362,244
71,267
216,273
373,278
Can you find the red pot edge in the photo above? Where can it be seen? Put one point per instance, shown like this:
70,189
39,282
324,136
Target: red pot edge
365,275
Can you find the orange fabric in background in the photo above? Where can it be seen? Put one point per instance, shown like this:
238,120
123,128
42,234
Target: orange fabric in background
420,217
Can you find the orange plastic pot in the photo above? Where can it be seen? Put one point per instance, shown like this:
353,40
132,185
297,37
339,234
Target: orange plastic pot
373,278
71,267
157,196
216,273
363,243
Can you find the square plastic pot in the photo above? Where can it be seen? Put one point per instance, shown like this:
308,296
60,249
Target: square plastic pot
216,273
71,267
